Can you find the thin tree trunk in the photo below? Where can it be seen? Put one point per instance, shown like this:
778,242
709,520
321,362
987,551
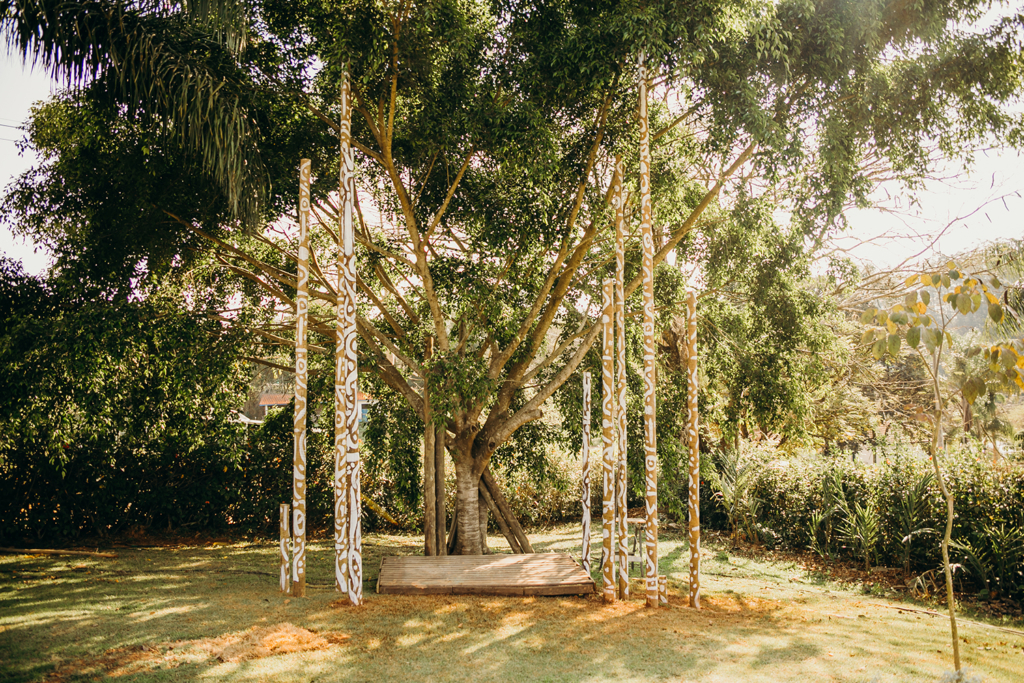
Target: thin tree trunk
486,479
429,493
453,535
939,445
440,502
482,511
499,519
430,534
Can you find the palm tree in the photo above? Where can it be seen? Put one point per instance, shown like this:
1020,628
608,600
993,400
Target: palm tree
173,63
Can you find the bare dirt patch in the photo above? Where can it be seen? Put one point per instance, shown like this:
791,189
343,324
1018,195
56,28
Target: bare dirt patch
255,643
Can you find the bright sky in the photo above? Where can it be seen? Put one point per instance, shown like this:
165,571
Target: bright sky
984,206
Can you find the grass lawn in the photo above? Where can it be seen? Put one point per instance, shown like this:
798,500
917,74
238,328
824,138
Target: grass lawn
214,613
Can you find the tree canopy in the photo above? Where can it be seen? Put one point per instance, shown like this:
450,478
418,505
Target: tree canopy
486,135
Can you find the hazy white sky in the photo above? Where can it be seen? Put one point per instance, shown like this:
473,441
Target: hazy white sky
989,202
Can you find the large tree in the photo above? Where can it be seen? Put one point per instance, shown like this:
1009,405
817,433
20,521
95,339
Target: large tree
486,133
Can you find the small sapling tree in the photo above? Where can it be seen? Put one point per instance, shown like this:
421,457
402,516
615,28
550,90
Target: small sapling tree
927,331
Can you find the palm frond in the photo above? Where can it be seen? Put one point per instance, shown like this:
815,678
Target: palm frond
155,65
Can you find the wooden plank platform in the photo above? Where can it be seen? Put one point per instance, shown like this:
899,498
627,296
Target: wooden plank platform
532,574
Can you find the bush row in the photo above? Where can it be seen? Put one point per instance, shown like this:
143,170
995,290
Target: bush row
892,511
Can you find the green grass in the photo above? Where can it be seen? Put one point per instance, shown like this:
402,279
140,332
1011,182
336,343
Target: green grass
152,613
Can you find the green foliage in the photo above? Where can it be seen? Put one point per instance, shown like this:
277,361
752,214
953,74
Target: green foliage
733,479
890,512
114,413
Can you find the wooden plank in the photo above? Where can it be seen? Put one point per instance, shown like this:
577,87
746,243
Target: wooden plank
536,574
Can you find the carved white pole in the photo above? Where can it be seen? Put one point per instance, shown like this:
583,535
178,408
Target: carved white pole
621,479
585,488
608,442
694,444
348,448
301,370
285,537
647,267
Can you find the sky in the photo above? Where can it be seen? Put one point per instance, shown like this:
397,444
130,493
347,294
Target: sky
986,205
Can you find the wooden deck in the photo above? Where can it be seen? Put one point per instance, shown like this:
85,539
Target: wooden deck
533,574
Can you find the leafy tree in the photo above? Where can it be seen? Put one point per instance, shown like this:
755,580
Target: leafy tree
487,132
113,413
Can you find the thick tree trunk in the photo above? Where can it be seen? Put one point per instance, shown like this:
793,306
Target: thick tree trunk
467,494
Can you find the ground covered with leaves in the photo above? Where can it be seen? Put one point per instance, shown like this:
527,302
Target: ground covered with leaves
213,611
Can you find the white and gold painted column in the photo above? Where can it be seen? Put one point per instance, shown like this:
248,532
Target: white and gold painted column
301,373
693,441
585,484
608,460
285,541
650,432
347,448
621,473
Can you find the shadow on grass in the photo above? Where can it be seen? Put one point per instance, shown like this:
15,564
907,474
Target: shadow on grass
55,613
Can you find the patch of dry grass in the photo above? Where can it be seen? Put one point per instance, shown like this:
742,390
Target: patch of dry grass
214,613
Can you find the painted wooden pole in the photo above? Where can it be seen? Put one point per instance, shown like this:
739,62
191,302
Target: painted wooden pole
663,590
285,538
608,459
301,372
585,487
621,478
693,440
342,481
352,528
650,430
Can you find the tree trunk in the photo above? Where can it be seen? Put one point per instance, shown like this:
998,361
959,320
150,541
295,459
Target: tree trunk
440,504
938,446
482,509
502,505
429,504
499,519
467,509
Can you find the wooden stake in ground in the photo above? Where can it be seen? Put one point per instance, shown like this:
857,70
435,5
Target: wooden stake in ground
301,371
585,487
608,460
621,479
350,484
285,538
693,441
647,268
